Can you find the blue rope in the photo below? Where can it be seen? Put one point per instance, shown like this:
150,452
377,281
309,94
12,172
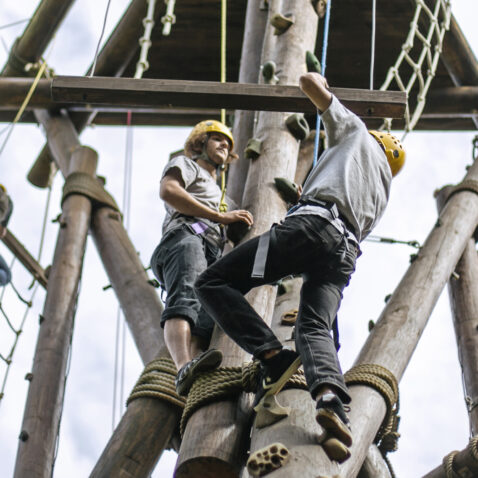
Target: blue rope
324,64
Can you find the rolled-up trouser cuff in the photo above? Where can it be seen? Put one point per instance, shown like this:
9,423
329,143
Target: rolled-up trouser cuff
275,344
178,312
342,391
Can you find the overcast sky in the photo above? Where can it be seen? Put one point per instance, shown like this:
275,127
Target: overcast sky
434,419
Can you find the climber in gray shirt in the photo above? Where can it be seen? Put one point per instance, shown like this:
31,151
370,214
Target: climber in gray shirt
342,200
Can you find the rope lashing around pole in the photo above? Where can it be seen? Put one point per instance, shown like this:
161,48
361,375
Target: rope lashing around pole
472,452
225,383
86,185
324,65
384,382
157,381
470,185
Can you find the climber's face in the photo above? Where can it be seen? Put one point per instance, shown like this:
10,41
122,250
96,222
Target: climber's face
218,147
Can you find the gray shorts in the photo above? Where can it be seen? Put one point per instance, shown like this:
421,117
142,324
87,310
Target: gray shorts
177,262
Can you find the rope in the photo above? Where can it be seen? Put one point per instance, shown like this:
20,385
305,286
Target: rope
99,40
145,41
18,22
448,465
470,185
170,18
390,240
223,50
225,383
324,65
385,383
428,58
157,381
24,104
8,360
86,185
372,47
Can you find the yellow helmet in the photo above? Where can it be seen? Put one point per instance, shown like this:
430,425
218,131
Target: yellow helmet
393,149
211,126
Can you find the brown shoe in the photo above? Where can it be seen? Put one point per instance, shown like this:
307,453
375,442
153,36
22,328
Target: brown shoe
332,418
335,450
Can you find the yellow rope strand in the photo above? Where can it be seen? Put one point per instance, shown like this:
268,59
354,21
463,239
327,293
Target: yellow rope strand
223,50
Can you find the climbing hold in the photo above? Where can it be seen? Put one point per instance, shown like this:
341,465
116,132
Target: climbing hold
320,7
288,190
268,459
290,317
253,148
270,411
297,126
29,376
312,62
269,70
335,450
282,23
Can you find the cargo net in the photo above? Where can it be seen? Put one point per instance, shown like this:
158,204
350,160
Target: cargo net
12,321
426,48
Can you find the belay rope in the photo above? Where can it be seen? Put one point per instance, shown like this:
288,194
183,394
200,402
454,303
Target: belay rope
324,65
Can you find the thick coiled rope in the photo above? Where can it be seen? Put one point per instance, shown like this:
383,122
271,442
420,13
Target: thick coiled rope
472,450
157,381
86,185
227,382
384,382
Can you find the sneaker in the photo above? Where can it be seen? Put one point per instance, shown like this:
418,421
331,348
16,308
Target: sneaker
208,360
275,372
332,418
335,450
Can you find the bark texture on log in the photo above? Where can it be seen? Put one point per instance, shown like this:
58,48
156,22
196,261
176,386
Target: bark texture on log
42,415
214,434
462,291
40,30
248,73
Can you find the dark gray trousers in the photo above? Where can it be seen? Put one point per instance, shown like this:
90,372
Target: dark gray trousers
306,245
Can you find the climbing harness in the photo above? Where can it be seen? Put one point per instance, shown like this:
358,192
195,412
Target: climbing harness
439,19
324,65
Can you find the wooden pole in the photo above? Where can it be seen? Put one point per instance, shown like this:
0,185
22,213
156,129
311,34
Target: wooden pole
464,463
248,73
393,339
216,435
151,422
42,415
112,60
462,290
40,30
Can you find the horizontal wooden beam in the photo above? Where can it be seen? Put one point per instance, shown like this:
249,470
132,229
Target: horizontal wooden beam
18,249
128,92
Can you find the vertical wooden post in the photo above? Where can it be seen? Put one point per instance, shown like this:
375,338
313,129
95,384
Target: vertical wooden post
248,73
215,436
42,415
462,289
393,339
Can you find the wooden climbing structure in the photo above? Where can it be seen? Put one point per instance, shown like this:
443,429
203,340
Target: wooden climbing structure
175,79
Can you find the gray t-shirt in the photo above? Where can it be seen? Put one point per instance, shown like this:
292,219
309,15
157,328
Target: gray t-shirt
197,182
353,172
